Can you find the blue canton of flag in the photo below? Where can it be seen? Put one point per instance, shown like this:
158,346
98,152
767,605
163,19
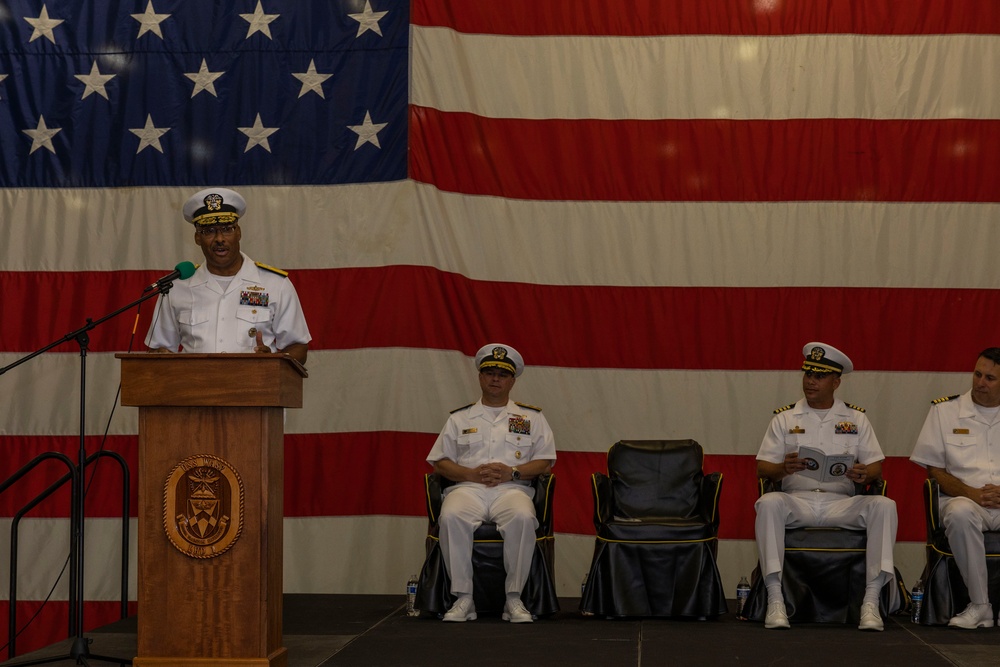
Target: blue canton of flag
97,93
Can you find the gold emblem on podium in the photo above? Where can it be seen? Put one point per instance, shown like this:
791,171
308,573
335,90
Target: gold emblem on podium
203,506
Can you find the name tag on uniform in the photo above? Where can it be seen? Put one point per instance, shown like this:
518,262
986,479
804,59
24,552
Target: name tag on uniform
797,429
467,431
960,431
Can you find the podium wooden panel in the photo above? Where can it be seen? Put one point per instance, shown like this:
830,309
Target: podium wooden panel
223,610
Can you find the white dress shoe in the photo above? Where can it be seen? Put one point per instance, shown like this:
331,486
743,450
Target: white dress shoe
776,616
463,610
974,616
871,619
515,612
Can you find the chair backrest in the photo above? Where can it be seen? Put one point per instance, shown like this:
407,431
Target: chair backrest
656,478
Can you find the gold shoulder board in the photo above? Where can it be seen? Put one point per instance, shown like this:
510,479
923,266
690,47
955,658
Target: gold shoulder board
855,407
528,407
783,408
272,269
944,399
461,408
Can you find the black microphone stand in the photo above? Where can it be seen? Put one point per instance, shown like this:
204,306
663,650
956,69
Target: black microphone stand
80,649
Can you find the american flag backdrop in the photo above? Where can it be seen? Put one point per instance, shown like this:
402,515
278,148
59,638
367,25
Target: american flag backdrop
658,203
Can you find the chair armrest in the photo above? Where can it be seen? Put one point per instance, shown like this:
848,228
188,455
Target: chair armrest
876,487
603,509
434,485
932,508
545,488
711,490
764,485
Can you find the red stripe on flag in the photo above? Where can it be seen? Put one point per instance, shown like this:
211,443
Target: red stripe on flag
681,327
723,17
707,160
51,305
652,327
397,489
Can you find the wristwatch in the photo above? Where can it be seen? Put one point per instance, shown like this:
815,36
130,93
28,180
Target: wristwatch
515,474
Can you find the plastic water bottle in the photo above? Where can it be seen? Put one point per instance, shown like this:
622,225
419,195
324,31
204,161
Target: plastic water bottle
917,600
411,596
742,593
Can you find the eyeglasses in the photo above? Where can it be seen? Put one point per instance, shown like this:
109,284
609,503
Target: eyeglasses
225,230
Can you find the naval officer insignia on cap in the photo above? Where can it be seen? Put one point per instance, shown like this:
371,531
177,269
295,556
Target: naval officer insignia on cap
214,206
823,358
499,355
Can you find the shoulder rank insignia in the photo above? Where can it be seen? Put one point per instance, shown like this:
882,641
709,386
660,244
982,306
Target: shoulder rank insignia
783,408
461,408
266,267
854,407
944,399
528,407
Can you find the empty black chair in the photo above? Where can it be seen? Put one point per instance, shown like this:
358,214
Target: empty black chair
657,520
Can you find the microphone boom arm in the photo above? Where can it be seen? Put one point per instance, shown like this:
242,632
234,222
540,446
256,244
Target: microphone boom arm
81,335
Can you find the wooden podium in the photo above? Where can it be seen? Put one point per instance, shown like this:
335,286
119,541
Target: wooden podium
211,466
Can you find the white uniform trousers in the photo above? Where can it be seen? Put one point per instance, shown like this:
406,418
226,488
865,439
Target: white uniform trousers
797,509
465,508
964,523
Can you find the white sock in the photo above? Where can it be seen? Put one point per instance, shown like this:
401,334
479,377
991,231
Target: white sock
874,588
773,584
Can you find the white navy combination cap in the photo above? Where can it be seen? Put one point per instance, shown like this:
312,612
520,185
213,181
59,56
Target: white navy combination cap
823,358
214,206
499,355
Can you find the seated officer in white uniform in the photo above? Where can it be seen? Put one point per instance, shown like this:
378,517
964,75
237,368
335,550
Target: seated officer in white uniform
491,448
231,303
834,427
958,445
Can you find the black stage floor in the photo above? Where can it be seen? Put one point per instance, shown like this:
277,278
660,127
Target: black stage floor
373,630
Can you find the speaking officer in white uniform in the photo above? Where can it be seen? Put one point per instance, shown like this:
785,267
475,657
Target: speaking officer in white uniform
834,427
960,447
490,449
231,303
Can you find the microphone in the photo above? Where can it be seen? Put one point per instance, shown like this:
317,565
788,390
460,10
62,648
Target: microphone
183,271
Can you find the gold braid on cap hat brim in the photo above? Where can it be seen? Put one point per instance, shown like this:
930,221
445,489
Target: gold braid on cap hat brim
822,368
505,365
216,218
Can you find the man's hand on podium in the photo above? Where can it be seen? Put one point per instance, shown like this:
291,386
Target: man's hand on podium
260,348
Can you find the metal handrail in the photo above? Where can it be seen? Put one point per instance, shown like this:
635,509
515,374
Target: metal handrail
75,477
